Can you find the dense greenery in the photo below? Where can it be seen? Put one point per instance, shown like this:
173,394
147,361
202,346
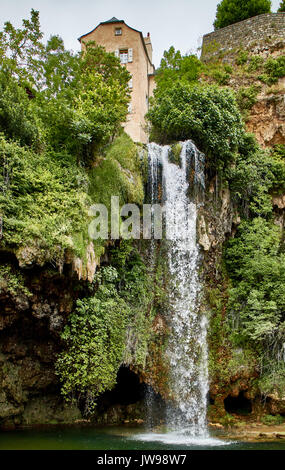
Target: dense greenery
58,112
95,340
232,11
174,68
51,97
273,70
95,336
62,149
44,201
255,176
207,114
257,269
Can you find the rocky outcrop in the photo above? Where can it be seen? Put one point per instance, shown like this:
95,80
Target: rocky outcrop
267,116
31,320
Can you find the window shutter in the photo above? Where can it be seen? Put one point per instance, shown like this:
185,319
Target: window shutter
130,55
117,53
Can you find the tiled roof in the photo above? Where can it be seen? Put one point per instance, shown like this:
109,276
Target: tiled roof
112,20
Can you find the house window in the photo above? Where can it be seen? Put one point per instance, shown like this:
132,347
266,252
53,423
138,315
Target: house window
124,56
131,83
118,32
130,108
130,55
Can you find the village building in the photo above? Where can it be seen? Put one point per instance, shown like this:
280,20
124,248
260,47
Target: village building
135,52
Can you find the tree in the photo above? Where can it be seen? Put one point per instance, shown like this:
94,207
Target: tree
232,11
174,67
207,114
53,98
282,6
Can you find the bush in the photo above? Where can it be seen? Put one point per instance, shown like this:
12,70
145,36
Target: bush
95,342
272,380
44,202
246,97
207,114
282,6
274,69
232,11
95,335
271,420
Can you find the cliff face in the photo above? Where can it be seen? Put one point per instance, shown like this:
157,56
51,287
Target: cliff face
266,119
31,320
233,371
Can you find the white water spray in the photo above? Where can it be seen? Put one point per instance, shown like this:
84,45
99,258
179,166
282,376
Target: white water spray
187,348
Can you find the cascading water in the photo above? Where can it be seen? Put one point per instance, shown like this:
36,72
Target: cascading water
187,348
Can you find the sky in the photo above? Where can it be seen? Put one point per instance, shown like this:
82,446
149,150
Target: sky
180,23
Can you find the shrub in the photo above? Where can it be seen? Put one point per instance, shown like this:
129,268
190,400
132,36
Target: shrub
271,420
274,69
207,114
95,342
246,97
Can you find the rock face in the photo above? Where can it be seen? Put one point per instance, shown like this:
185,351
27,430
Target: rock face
267,117
232,377
29,342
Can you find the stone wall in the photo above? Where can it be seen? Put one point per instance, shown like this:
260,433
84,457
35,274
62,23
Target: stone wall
258,29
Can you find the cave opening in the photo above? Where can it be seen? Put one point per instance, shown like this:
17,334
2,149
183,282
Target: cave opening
128,390
239,405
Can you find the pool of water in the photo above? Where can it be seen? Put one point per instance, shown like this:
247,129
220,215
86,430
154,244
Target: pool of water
119,438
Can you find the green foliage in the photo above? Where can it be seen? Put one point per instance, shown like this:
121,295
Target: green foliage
255,175
58,110
232,11
246,97
257,270
12,281
51,97
242,57
274,69
255,63
227,420
95,341
271,420
206,114
95,336
118,174
273,377
174,67
18,119
44,201
22,50
175,152
282,6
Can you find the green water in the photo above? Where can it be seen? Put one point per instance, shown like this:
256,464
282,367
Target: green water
119,438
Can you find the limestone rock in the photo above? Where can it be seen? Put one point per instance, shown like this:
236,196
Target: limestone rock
86,271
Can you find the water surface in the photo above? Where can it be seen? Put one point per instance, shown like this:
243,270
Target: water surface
118,438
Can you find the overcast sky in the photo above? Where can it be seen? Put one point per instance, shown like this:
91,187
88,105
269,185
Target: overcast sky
181,23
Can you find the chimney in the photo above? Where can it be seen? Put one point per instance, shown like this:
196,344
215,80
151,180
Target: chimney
148,44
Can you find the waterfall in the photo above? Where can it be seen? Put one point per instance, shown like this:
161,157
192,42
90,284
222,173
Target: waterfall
181,190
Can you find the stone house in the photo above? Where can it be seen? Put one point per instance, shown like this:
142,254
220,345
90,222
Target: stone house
135,52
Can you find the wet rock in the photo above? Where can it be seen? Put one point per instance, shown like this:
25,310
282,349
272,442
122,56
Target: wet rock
50,410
